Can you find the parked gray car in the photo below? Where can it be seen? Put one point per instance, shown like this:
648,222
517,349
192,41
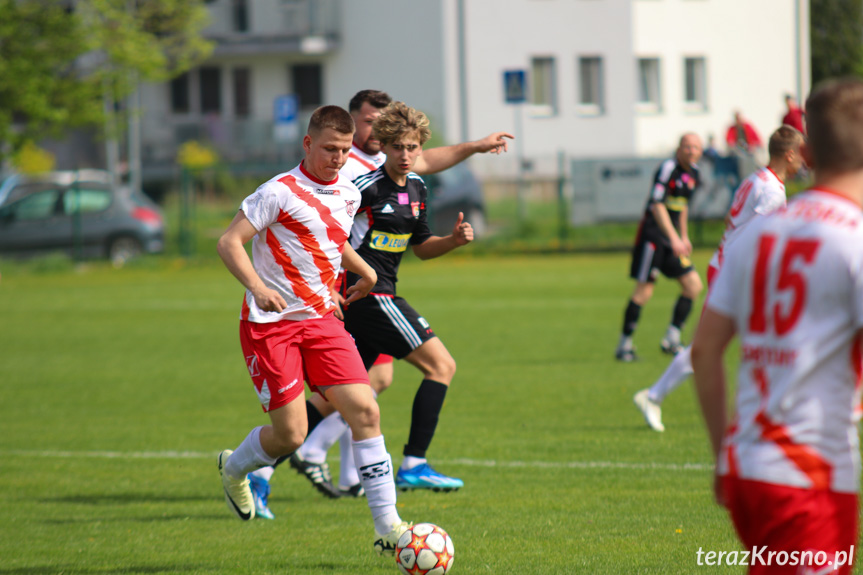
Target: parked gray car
82,219
450,192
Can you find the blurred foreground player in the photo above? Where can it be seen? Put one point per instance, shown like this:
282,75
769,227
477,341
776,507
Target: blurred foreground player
791,289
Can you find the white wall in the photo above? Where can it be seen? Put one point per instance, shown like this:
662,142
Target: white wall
507,34
394,46
750,52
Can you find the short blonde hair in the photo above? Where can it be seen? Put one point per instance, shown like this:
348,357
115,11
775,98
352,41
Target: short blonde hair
399,120
834,123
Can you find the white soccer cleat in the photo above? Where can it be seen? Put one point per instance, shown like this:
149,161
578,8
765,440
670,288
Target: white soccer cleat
650,410
385,545
238,495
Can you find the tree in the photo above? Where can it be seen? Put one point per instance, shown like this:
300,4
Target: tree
837,38
59,61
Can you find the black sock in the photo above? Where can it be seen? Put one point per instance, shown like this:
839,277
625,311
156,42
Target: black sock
681,311
314,417
426,411
630,318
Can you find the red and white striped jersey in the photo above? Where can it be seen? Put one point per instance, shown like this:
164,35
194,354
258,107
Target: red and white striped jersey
359,164
793,284
302,225
759,194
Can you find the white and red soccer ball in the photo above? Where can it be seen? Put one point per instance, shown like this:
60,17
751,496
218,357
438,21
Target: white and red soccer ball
424,549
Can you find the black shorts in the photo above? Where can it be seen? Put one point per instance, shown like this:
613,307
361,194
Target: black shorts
385,324
650,258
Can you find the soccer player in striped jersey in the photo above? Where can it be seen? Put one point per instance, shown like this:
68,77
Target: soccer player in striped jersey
761,193
298,223
366,156
791,290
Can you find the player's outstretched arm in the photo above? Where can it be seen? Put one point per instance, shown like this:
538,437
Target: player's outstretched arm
352,262
439,159
232,252
436,246
708,348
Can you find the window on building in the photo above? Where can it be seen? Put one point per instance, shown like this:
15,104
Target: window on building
240,15
590,89
695,77
543,86
242,89
308,84
649,95
211,93
180,94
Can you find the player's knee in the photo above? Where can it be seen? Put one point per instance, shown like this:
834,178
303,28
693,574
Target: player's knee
443,369
289,440
380,384
366,415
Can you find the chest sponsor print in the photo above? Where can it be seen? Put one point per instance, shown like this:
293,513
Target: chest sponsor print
386,242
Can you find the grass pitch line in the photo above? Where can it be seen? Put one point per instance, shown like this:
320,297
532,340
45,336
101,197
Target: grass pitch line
647,465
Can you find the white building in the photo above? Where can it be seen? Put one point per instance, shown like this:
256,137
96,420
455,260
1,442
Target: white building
605,78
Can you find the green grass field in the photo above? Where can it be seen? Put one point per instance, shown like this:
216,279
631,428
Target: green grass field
119,387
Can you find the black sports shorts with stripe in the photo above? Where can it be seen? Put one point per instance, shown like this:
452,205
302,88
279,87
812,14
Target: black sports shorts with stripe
648,258
382,323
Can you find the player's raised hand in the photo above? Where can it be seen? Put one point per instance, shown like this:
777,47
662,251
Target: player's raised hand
494,143
269,300
462,233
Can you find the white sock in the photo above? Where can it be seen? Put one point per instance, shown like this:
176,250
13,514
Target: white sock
322,437
672,334
376,474
264,473
676,373
409,462
248,456
348,476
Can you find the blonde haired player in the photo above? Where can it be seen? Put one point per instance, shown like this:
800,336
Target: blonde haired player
761,193
791,289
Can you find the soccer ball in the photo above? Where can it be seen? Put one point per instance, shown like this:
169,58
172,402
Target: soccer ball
424,549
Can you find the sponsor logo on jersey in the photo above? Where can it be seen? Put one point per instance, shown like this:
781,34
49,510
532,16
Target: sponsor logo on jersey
423,322
327,192
403,198
415,208
676,203
389,242
387,209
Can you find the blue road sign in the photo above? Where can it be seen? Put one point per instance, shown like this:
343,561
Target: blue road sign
514,86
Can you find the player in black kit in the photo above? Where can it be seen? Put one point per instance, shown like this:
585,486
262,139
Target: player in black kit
395,199
663,246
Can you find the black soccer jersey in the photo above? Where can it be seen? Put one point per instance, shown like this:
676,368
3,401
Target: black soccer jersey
672,186
397,219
